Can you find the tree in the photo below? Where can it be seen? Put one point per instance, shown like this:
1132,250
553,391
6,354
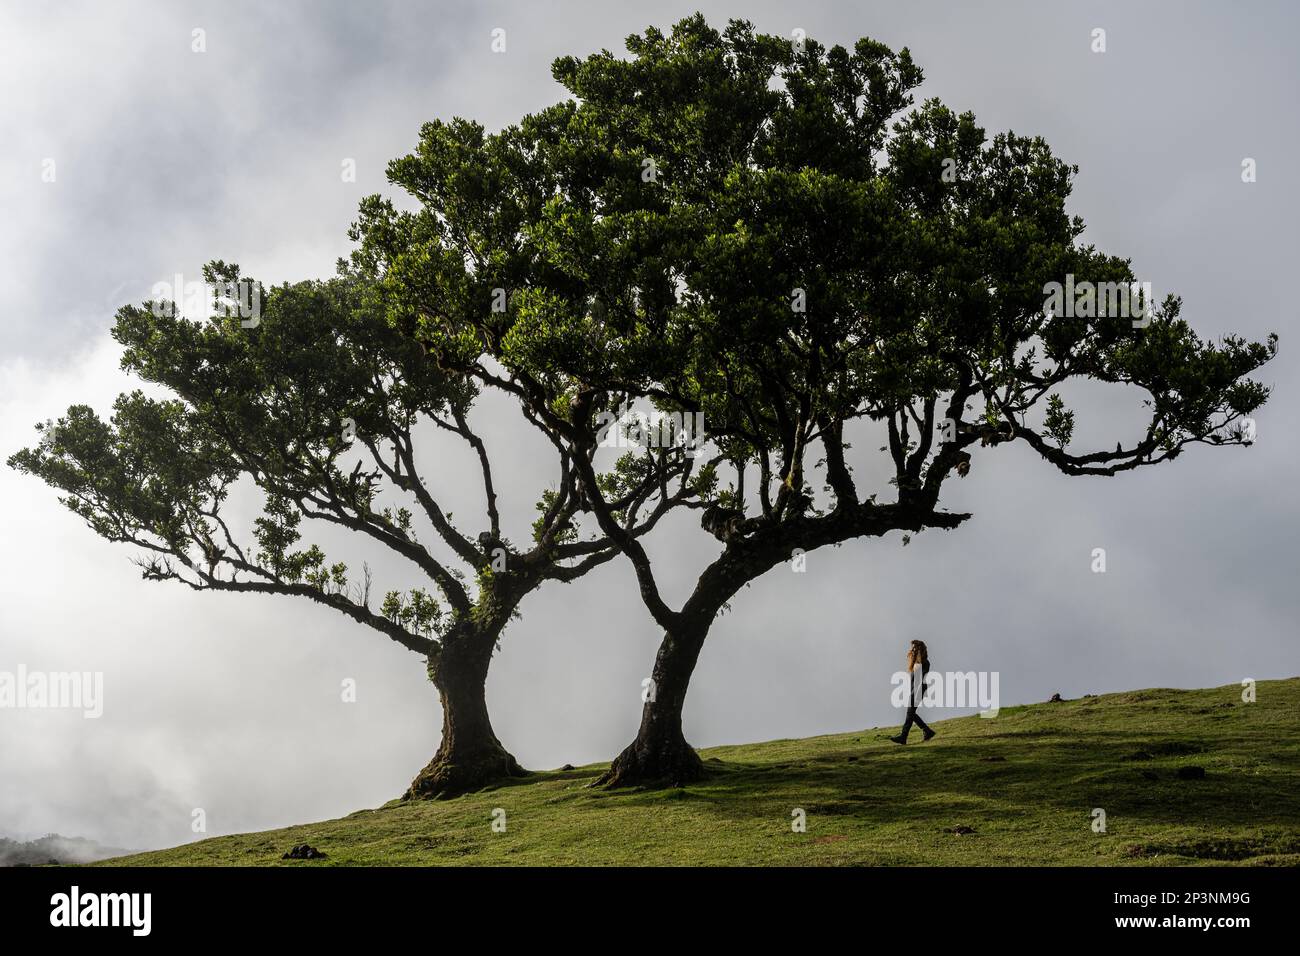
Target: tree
317,405
755,230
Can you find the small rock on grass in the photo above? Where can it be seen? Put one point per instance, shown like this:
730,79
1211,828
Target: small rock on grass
304,852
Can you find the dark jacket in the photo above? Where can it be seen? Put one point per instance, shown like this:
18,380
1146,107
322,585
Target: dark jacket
918,686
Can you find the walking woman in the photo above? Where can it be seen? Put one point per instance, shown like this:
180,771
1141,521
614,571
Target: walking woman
918,659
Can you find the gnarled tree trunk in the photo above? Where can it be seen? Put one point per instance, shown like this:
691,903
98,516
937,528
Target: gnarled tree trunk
660,753
470,756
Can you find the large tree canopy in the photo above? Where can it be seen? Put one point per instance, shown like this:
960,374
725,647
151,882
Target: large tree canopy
764,232
320,407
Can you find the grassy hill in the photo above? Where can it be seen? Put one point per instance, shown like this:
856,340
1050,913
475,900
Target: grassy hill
1018,789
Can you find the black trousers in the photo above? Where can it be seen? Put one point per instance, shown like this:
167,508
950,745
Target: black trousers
913,718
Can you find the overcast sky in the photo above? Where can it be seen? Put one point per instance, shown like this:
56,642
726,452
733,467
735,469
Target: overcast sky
164,158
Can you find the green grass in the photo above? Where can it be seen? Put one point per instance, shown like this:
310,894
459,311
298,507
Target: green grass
1024,783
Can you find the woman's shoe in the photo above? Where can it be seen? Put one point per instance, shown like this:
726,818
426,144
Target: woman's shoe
899,740
928,735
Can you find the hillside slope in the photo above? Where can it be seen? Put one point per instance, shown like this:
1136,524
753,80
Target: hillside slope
1024,784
